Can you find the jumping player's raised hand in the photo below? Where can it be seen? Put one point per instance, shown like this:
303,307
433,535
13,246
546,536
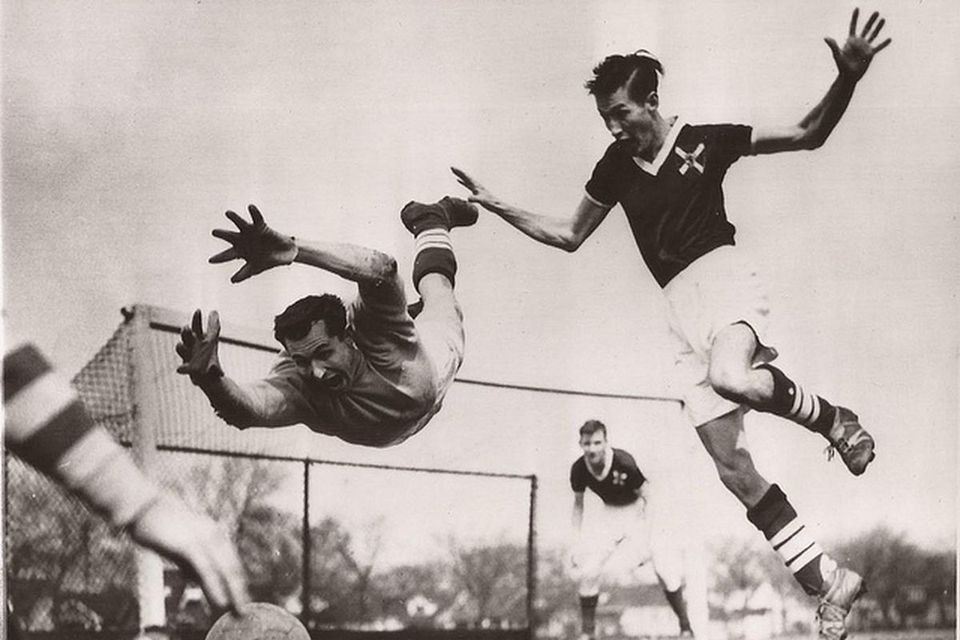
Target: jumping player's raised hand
199,350
254,242
197,545
854,58
480,194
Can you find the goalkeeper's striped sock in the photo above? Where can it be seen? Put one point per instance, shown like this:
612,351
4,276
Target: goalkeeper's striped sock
433,253
777,520
792,402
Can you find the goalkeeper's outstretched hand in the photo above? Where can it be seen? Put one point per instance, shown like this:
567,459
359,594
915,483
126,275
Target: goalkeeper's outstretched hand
259,246
199,349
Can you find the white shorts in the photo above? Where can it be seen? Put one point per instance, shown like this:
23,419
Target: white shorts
440,332
622,537
717,290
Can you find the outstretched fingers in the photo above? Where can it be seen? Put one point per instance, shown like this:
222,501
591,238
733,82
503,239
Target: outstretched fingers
196,323
237,220
866,28
242,273
853,22
213,325
224,256
228,236
465,180
255,216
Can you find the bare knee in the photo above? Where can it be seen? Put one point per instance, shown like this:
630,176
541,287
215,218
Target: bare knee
731,381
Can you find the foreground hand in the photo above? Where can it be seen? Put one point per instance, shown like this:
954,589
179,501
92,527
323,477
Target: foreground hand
480,194
197,545
260,246
857,52
198,350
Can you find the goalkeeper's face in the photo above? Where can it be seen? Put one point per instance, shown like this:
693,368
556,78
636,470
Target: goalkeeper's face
323,359
594,447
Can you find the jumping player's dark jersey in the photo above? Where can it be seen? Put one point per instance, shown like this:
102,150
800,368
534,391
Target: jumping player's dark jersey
618,487
674,204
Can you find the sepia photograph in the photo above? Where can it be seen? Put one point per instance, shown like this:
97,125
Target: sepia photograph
460,320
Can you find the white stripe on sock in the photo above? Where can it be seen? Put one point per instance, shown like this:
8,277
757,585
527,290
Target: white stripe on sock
788,530
433,239
806,406
795,545
804,558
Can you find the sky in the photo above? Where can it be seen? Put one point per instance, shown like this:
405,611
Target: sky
130,127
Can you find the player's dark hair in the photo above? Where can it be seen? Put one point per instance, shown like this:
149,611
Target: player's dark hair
296,320
640,69
590,427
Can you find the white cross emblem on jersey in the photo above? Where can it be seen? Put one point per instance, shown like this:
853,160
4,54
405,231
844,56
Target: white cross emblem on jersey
619,478
690,159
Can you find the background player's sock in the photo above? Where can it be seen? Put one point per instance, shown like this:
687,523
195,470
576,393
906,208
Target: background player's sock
777,520
790,401
588,614
679,606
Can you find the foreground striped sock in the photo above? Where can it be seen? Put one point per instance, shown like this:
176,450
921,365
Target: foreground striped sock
792,402
433,253
777,520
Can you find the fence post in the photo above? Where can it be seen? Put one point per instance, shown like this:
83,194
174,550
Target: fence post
146,417
305,587
532,561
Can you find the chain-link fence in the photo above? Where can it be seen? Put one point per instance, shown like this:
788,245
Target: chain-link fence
340,545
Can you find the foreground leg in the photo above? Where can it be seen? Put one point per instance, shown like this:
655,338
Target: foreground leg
437,314
766,388
430,225
772,514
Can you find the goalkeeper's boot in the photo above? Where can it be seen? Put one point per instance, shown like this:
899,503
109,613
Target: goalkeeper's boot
852,441
446,214
841,592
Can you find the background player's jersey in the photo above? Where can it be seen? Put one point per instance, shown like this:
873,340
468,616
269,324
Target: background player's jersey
674,204
620,484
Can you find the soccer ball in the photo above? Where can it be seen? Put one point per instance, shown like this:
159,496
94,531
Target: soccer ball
258,621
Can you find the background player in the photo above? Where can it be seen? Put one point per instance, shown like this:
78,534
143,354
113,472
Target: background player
613,475
667,176
48,427
369,373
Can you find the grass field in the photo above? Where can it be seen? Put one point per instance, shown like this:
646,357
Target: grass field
917,634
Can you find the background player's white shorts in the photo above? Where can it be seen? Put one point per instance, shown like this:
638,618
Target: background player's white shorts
621,538
440,332
718,289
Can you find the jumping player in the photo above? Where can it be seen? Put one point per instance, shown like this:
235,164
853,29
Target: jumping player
48,427
667,176
368,373
613,475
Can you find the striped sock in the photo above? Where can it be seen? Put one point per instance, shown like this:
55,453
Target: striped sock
792,402
777,520
433,253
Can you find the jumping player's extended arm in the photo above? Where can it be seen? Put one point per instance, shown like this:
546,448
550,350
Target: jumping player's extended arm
564,233
852,60
262,248
48,427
